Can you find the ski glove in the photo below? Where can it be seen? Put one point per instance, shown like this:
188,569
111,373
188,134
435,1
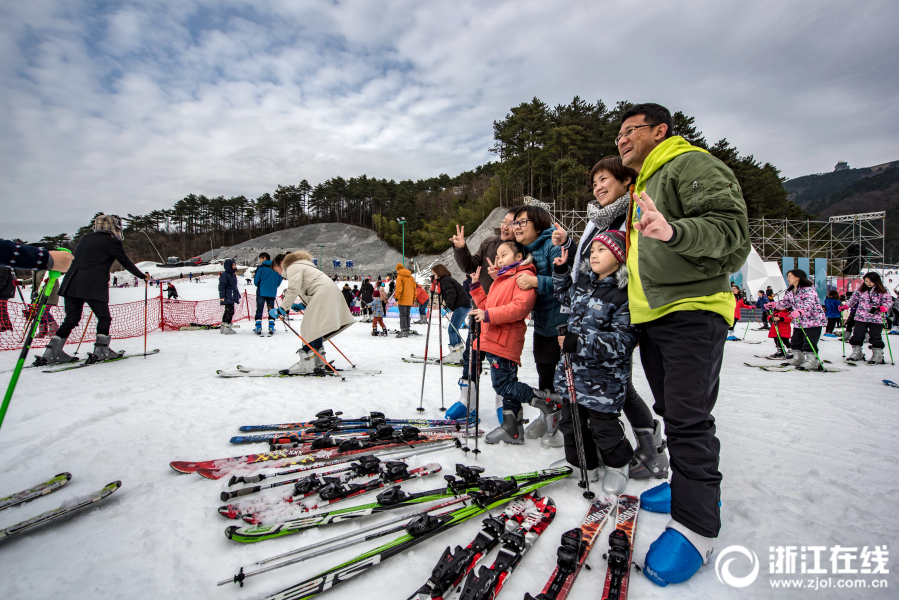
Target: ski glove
569,344
796,314
298,307
277,313
770,305
883,309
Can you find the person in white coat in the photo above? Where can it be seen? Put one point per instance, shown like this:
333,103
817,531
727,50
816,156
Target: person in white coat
325,312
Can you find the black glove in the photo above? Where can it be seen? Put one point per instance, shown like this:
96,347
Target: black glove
569,345
872,310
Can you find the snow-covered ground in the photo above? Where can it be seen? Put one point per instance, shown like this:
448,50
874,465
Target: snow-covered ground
807,458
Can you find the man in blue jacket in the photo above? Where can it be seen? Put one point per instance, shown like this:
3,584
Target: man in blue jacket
267,281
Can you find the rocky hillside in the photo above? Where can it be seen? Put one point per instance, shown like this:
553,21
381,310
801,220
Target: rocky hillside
811,189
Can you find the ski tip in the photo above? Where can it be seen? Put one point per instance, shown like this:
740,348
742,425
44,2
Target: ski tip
210,474
183,466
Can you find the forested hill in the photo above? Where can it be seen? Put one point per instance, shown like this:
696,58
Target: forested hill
812,191
540,151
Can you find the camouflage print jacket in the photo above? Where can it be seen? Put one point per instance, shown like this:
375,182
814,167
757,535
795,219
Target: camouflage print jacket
606,339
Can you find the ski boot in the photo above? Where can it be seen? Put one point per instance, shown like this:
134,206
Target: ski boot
226,329
320,365
102,350
374,332
258,329
271,327
614,480
53,353
657,499
592,474
649,459
858,354
454,355
306,364
498,401
676,555
547,426
384,332
810,364
466,398
877,357
511,431
798,358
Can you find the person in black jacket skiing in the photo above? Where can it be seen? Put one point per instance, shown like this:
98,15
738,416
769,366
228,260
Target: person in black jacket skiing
457,300
88,281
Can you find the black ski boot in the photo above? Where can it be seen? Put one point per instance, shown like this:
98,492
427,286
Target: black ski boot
649,459
102,350
53,353
511,431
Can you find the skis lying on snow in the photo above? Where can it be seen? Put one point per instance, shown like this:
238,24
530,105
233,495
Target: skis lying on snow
621,549
417,530
414,358
41,489
787,367
323,372
88,363
66,508
454,566
573,551
201,327
330,492
329,420
327,439
461,490
217,468
488,582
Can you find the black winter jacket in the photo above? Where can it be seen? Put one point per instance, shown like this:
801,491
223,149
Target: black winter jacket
228,290
454,295
88,277
366,293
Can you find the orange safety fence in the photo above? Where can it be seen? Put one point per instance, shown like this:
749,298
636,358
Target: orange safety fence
127,319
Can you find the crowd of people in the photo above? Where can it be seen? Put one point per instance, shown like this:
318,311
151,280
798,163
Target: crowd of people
666,229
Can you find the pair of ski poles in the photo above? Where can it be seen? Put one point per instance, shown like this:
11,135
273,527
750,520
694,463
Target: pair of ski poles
425,362
576,419
477,390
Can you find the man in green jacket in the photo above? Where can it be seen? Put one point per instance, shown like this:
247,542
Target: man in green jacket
687,232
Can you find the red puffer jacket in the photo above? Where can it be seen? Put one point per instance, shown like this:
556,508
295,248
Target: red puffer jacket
507,306
782,327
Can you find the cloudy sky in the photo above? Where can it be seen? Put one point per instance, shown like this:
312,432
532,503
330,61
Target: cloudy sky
127,106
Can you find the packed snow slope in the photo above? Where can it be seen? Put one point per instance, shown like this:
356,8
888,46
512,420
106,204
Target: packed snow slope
340,241
807,458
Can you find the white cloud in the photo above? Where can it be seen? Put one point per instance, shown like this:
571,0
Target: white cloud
132,109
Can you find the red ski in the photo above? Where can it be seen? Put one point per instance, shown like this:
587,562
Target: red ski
621,549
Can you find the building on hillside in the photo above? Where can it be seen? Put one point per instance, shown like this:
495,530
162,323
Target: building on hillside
841,166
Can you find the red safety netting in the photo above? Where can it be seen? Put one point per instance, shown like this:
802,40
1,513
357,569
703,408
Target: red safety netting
127,319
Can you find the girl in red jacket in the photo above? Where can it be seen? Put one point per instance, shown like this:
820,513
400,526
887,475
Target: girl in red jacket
502,315
780,325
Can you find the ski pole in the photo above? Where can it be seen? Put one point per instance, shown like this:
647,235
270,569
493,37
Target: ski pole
576,418
440,340
843,334
296,333
342,354
86,325
425,366
32,308
477,390
29,337
146,289
468,392
888,340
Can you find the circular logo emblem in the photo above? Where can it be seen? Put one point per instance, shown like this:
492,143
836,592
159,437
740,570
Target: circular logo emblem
722,567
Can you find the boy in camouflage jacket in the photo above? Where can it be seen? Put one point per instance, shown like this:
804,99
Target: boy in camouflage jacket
600,342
